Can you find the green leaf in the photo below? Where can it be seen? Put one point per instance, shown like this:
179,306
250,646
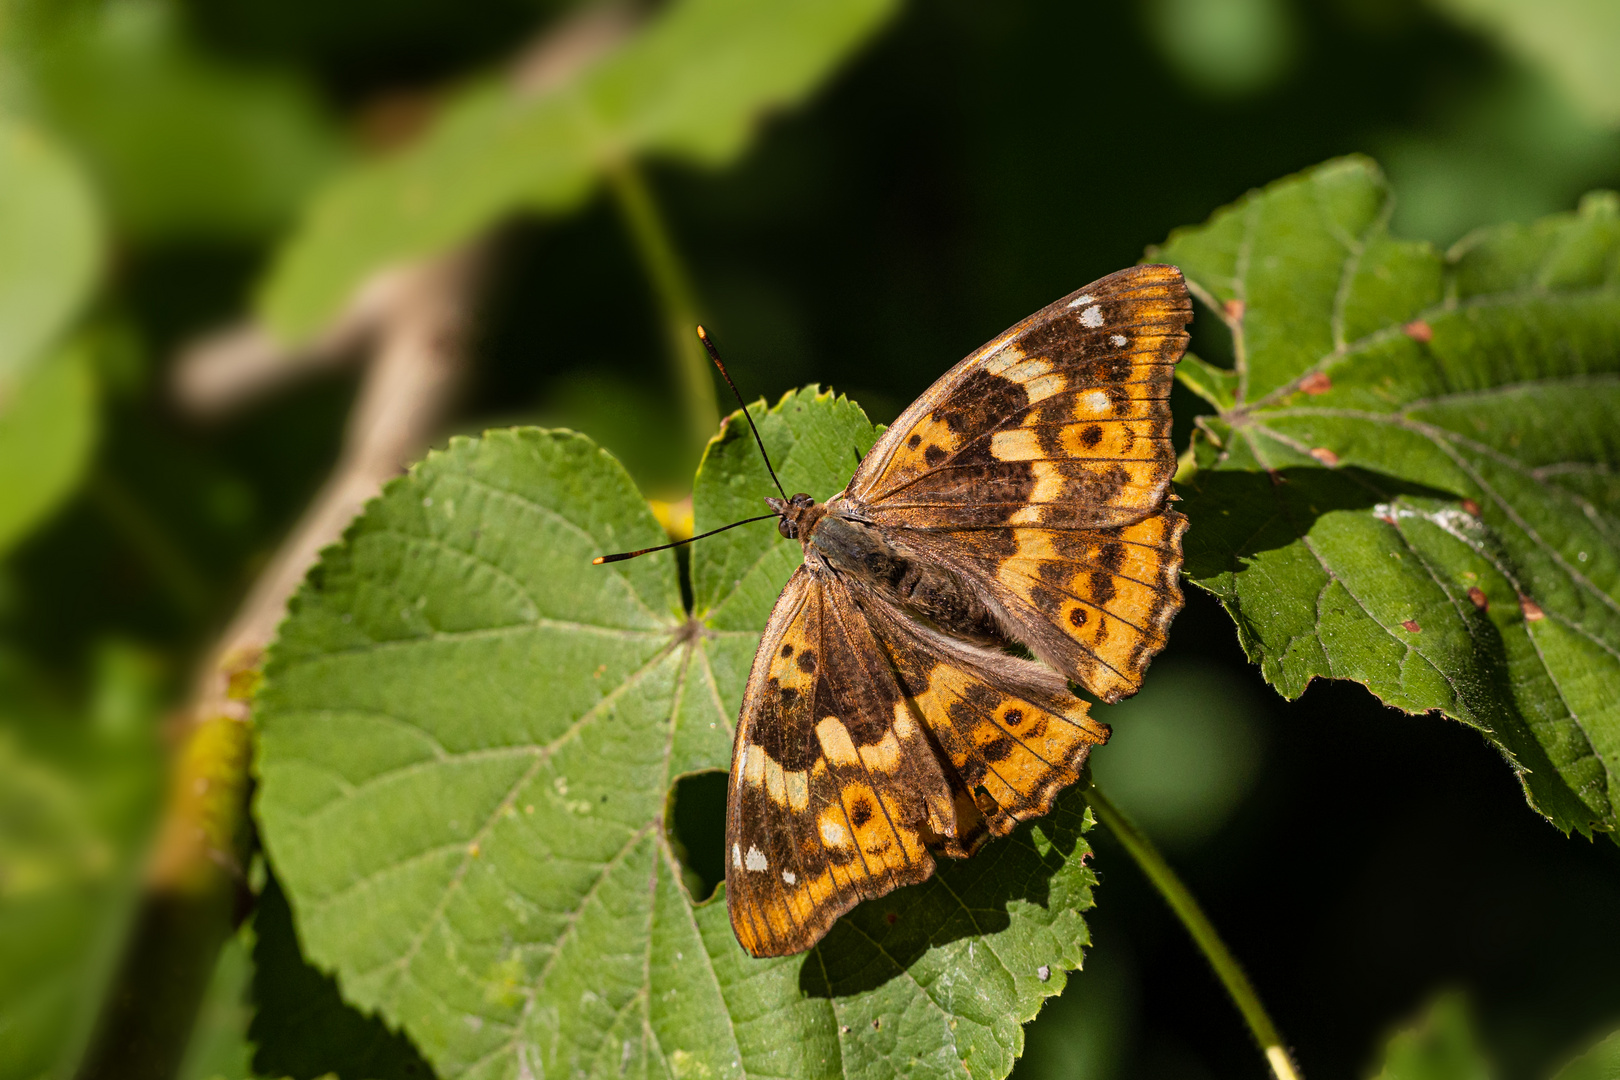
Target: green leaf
301,1025
48,425
182,146
219,1048
1413,485
1573,41
51,251
1441,1046
691,85
468,735
77,794
1601,1062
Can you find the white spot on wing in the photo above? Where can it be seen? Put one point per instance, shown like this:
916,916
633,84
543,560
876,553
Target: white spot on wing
832,832
736,856
1083,298
755,859
1118,340
1091,317
790,877
1094,403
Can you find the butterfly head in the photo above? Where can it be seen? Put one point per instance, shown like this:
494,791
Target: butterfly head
796,517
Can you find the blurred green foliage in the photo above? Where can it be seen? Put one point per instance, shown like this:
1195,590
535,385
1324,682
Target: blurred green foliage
1185,751
860,204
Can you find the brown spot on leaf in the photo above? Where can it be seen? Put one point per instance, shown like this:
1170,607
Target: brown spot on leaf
1471,507
1234,310
1325,456
891,918
1532,610
1477,595
1418,330
1317,382
1411,626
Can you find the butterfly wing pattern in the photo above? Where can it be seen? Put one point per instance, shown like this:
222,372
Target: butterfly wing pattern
1022,500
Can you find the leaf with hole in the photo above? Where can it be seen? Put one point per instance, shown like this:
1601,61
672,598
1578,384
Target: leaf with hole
1411,477
468,737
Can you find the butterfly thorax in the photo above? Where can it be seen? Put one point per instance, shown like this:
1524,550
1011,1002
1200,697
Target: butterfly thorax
838,539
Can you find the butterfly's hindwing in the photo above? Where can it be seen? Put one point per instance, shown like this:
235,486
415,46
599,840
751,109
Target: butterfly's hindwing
893,740
831,802
1013,734
1095,603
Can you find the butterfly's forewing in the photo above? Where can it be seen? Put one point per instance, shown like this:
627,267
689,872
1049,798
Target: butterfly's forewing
1039,466
837,790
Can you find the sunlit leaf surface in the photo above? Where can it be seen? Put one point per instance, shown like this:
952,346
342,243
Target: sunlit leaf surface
1411,481
47,430
467,739
49,247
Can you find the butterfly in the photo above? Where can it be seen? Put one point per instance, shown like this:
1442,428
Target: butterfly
1023,500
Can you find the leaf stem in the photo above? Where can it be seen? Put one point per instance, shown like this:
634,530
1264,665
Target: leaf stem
672,285
1186,908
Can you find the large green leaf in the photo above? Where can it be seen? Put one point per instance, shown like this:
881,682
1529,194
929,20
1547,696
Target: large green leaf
1411,479
691,85
49,247
48,424
468,735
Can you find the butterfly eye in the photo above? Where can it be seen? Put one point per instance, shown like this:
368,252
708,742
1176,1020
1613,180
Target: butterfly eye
787,529
803,499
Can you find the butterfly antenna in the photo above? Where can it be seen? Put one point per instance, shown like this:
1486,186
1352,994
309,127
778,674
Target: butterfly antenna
623,555
714,354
